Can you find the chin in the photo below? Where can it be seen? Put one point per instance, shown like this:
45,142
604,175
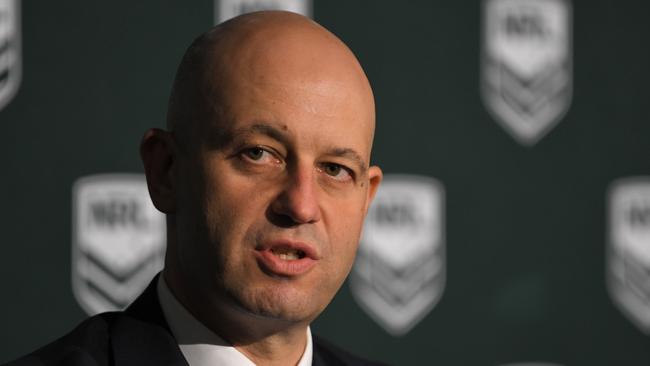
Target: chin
281,303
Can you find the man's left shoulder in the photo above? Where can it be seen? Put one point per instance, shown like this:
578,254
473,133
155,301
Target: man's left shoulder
87,344
327,354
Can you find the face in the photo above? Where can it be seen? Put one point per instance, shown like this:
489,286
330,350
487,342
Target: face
272,198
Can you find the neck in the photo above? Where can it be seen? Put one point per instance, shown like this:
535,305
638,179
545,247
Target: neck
280,349
263,340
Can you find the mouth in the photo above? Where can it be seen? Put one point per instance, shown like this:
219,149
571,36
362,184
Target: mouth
285,258
288,254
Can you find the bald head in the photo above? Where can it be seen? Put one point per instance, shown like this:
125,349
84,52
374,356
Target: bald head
265,177
262,47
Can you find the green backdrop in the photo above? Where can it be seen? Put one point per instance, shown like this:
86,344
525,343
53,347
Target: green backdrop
525,226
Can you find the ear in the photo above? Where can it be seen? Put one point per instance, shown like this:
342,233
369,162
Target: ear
375,176
158,156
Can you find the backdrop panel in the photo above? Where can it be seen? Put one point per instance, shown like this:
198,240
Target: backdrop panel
524,124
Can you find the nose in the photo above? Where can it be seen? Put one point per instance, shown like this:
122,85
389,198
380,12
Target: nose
298,203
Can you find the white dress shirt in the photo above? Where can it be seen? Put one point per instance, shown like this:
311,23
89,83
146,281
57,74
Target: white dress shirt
200,345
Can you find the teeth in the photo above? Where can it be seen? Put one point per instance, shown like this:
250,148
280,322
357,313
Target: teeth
288,254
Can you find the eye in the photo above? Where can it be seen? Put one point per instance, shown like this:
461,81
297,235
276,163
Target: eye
336,171
256,153
259,155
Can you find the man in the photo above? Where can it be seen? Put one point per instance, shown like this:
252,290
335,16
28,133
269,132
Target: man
264,176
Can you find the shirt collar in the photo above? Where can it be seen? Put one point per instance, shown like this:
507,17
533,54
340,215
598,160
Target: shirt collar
200,345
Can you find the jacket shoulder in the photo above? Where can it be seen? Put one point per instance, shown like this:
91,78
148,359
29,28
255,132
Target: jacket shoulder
327,354
86,345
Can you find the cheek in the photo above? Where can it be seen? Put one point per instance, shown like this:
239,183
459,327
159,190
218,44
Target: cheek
345,232
232,209
221,214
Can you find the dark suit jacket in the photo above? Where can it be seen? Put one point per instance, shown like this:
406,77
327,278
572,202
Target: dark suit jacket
140,336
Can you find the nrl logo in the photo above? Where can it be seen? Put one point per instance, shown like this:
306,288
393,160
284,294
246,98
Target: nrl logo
526,65
399,274
118,240
628,259
226,9
10,54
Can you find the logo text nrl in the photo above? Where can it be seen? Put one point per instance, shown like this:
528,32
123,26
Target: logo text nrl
399,274
10,50
526,65
118,241
226,9
628,259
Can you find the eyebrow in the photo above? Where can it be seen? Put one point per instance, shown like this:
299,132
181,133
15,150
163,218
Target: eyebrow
261,128
224,138
350,154
281,136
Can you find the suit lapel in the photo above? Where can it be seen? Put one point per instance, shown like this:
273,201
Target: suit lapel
323,354
142,336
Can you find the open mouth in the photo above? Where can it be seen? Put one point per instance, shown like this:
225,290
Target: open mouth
288,254
286,259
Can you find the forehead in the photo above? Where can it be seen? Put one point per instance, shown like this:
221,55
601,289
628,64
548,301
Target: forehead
302,114
317,91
